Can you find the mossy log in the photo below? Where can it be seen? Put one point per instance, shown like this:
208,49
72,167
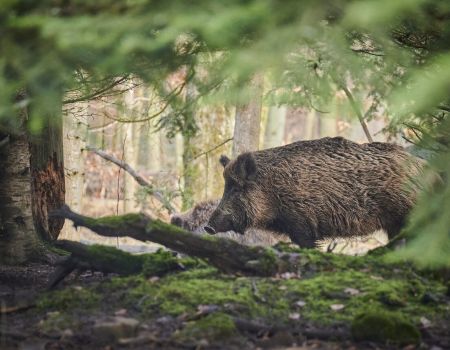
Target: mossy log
112,260
226,255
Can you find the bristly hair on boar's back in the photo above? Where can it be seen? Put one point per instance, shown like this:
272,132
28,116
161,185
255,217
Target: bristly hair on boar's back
319,189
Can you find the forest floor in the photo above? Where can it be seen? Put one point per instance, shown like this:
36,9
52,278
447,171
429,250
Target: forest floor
338,302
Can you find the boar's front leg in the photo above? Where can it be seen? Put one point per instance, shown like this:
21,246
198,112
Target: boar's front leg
303,239
299,231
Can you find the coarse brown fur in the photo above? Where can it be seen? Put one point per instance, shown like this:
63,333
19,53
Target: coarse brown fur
313,190
195,220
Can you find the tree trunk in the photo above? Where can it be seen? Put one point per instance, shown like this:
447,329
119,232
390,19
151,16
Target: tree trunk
276,121
31,184
74,140
189,173
47,175
248,121
190,169
18,239
130,156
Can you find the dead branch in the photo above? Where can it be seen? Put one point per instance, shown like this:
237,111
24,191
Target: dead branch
225,254
139,179
17,308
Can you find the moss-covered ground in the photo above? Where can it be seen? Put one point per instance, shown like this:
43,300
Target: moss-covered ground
365,298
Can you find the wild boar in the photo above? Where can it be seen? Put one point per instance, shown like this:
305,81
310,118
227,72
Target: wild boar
319,189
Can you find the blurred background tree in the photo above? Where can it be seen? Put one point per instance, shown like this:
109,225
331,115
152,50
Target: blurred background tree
195,61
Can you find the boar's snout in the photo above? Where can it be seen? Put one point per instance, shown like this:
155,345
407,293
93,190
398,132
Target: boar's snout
219,222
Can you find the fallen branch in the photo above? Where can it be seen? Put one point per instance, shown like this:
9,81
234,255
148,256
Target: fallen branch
112,260
5,310
139,179
225,254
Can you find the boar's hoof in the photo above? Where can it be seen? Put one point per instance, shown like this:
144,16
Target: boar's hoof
210,230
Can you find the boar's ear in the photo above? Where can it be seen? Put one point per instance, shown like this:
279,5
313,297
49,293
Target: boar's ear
224,160
246,167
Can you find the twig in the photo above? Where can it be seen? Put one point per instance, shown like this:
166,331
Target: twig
97,93
169,98
17,308
368,52
256,292
212,149
139,179
358,113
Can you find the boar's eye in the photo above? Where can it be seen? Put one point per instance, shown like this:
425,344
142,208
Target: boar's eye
231,186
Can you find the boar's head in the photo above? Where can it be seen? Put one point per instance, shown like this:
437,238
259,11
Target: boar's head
242,197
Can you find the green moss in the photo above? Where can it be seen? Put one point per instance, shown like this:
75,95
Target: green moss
115,220
323,283
215,327
185,291
159,263
154,264
268,261
326,289
391,296
158,225
211,238
385,327
51,247
379,285
124,263
56,322
69,298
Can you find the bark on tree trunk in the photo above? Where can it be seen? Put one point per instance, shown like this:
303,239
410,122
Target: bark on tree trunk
190,169
19,241
276,121
74,132
248,121
47,175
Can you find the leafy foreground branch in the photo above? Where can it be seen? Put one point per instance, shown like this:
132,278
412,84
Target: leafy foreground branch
226,255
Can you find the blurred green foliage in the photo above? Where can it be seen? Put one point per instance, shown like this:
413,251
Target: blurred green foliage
398,51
